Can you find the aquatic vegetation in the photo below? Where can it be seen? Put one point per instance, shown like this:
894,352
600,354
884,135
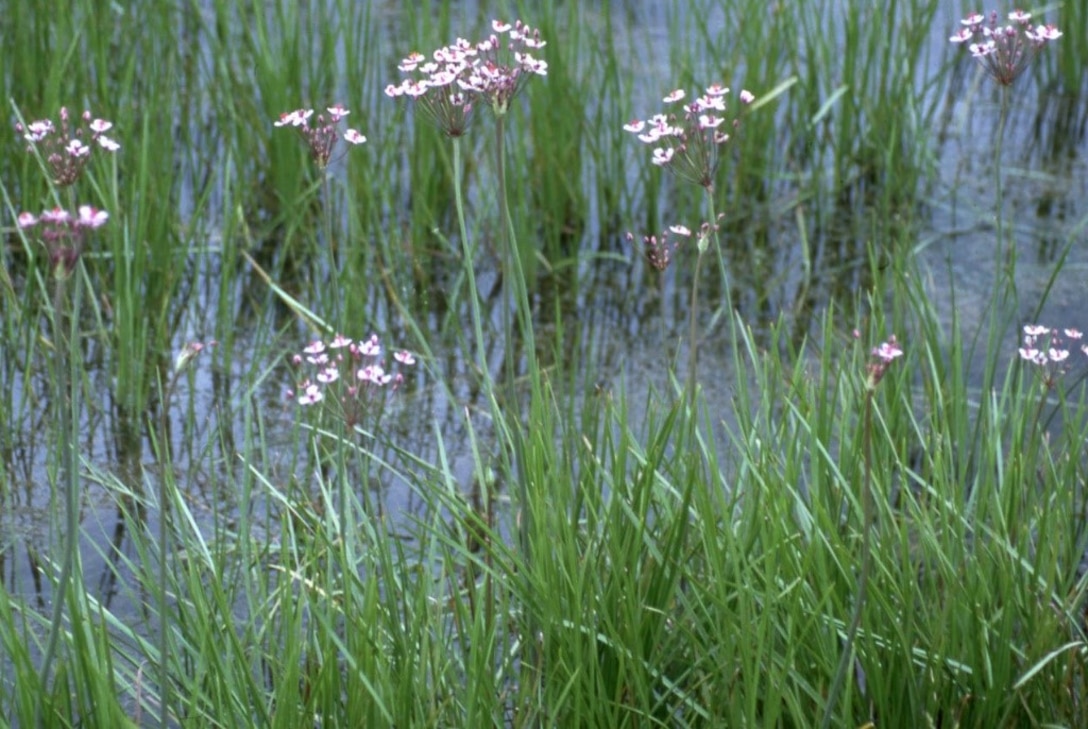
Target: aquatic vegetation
532,515
353,372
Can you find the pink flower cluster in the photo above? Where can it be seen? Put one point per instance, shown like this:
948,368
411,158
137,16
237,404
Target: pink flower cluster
352,372
63,234
67,148
882,358
659,249
1004,50
448,86
322,137
1046,348
688,146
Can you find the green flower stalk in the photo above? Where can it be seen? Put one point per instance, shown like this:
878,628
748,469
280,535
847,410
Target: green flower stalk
882,358
64,237
447,89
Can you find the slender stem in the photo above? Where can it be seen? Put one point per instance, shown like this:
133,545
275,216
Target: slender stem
1007,248
514,273
467,256
1004,271
868,517
66,381
507,252
728,302
693,341
326,192
164,550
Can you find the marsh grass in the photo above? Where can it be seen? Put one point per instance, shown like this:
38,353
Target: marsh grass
583,549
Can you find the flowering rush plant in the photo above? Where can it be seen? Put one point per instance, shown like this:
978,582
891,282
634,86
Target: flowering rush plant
448,86
350,376
63,234
322,137
68,145
1046,348
1004,49
688,145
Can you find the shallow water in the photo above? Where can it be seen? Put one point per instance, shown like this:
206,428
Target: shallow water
624,322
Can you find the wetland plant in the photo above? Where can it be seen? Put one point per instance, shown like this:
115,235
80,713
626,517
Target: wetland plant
689,145
64,236
1004,50
447,89
880,361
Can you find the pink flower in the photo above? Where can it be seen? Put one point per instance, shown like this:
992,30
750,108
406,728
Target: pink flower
493,70
659,249
63,234
67,147
370,347
1004,51
321,138
694,138
663,155
1043,347
887,351
883,356
311,394
92,218
349,391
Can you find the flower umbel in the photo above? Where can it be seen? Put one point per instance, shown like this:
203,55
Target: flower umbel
440,86
688,145
448,86
1004,51
63,234
67,147
504,63
322,137
1046,348
659,249
349,375
882,358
